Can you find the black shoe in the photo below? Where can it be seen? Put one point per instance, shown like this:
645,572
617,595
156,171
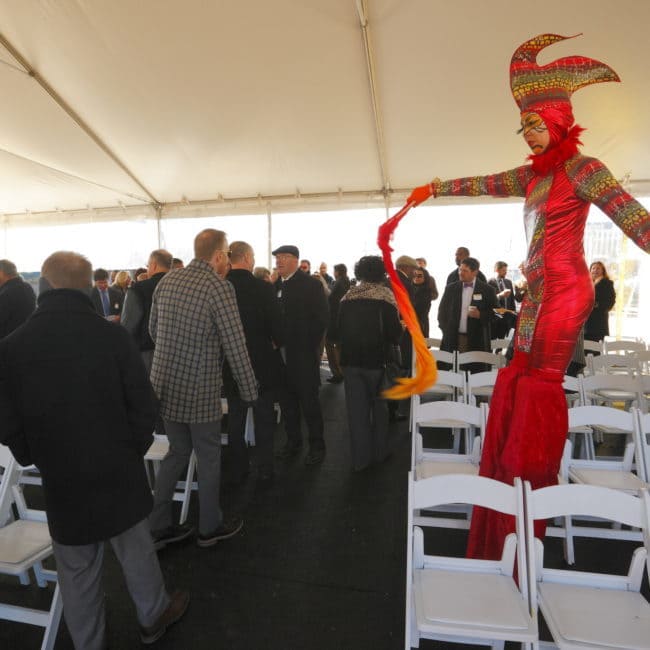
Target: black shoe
171,535
228,528
178,606
334,380
289,451
315,457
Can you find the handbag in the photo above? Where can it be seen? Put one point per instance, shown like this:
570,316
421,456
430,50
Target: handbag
392,361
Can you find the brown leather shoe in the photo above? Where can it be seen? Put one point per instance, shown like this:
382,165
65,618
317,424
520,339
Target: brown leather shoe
177,607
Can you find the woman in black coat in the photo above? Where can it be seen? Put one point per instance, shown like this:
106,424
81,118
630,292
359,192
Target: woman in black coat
368,322
597,325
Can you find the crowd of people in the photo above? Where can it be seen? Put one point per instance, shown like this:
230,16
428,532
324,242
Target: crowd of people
162,345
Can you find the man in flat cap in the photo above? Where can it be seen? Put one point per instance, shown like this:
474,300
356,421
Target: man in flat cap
304,320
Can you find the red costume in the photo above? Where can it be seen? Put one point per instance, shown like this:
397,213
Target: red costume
527,424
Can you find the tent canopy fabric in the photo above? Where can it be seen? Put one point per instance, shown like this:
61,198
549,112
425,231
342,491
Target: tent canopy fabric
108,105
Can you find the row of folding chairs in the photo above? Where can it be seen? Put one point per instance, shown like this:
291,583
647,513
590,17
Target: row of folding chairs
480,602
24,544
608,346
632,363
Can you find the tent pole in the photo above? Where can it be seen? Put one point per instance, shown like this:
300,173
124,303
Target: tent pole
269,231
159,208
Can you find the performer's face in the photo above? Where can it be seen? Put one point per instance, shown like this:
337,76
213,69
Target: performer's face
535,132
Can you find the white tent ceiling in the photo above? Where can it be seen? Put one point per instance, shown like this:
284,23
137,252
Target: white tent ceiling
219,100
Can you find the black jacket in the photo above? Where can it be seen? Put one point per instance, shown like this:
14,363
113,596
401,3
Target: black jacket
597,325
305,317
75,400
478,329
261,317
17,302
115,299
137,309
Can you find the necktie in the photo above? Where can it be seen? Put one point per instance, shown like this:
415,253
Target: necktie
467,284
105,304
501,287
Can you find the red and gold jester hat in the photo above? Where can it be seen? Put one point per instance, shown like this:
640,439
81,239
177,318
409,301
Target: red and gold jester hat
538,89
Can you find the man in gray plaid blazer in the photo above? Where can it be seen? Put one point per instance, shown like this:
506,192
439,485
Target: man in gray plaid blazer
195,321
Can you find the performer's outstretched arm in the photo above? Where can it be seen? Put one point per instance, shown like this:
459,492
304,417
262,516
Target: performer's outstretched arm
510,183
593,182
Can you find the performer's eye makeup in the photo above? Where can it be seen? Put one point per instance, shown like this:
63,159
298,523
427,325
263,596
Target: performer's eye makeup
532,122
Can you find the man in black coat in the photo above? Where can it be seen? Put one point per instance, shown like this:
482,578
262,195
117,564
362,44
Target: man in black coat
17,299
137,303
107,300
506,297
262,321
461,253
466,312
304,320
75,401
338,289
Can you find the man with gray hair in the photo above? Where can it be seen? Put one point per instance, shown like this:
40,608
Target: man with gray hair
137,303
262,320
17,299
194,321
90,456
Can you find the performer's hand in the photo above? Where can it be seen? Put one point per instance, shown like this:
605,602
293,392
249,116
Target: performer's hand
421,194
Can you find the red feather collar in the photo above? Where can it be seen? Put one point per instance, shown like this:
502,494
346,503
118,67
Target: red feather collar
546,162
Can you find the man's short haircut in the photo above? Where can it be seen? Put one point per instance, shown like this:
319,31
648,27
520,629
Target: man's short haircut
463,248
162,258
207,242
341,268
305,262
8,268
68,270
176,260
500,265
239,250
370,268
261,272
471,263
421,259
99,274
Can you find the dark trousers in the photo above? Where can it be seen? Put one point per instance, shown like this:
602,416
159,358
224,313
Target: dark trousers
264,418
302,396
367,416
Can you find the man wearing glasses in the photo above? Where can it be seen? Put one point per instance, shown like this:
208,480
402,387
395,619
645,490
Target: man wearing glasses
194,322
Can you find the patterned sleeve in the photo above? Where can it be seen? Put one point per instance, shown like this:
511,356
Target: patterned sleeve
231,333
511,183
593,182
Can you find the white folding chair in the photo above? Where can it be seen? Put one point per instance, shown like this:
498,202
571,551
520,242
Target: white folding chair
428,463
615,474
449,385
641,433
643,361
499,344
183,490
572,390
589,610
433,343
605,390
420,411
462,600
480,386
24,544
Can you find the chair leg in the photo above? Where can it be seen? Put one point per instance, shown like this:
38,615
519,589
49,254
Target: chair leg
56,609
187,491
41,581
569,551
24,578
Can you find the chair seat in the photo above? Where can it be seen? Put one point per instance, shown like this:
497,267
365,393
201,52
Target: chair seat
427,469
21,540
577,614
613,395
481,605
616,480
438,389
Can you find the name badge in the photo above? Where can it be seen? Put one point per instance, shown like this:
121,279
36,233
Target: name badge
477,296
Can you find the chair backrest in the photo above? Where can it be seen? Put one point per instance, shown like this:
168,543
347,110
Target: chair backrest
479,380
603,416
614,364
621,347
450,378
641,433
439,411
10,478
477,356
499,344
442,356
643,361
593,346
433,343
623,383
